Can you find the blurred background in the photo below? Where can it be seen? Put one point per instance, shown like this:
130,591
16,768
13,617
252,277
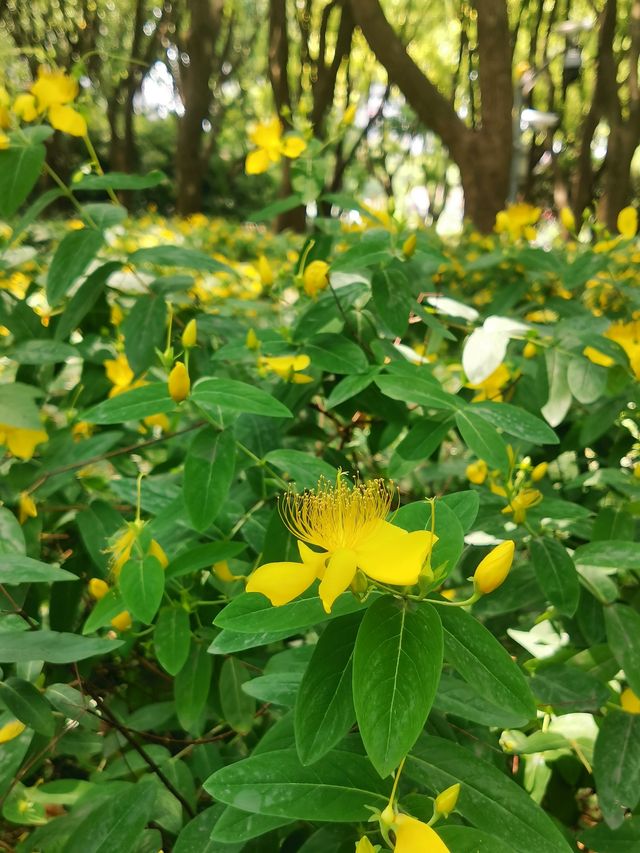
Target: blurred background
434,110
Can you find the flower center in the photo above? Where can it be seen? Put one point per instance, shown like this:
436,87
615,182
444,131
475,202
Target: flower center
336,516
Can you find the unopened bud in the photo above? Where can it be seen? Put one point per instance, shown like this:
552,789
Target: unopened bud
190,334
447,799
494,568
179,382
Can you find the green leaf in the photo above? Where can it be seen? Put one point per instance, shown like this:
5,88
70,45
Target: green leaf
396,669
482,439
238,707
277,688
324,710
350,386
143,329
84,299
208,473
282,205
14,568
419,391
240,826
103,215
179,256
122,819
227,642
172,638
516,421
417,516
20,167
489,799
623,636
456,697
336,354
229,394
466,839
251,613
191,687
119,181
485,664
11,756
74,254
556,574
559,401
302,468
625,839
132,405
465,505
33,212
29,706
568,689
616,766
42,352
17,408
609,554
423,439
393,298
141,583
339,787
11,535
202,557
199,835
587,381
52,647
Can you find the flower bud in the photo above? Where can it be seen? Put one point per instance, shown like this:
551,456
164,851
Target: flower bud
365,846
447,799
265,271
252,342
409,246
26,507
315,277
494,568
190,334
477,472
387,816
530,350
568,219
179,382
122,622
98,588
539,471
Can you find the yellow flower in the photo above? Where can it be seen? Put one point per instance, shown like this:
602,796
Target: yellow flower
530,350
67,120
287,367
491,387
21,442
271,146
598,357
24,107
446,800
119,372
539,471
5,142
365,846
517,221
413,836
477,472
348,524
179,383
568,219
122,622
494,568
523,501
11,730
628,336
26,507
98,588
629,702
628,222
53,88
265,271
252,342
543,315
116,314
161,421
222,571
409,246
349,115
315,277
156,550
190,334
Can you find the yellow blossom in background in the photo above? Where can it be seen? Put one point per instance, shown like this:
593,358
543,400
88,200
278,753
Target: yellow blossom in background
5,117
265,271
491,387
17,284
156,550
190,334
520,503
82,429
542,315
11,730
409,246
271,146
628,336
476,472
315,277
348,524
24,107
75,224
4,141
122,622
493,569
414,836
517,221
26,507
539,471
627,222
119,373
116,315
161,421
222,571
251,341
287,367
67,120
98,588
530,350
568,219
21,442
629,702
349,115
179,383
598,357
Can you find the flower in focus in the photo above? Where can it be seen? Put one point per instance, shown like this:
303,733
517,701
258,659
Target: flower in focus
477,472
414,836
348,524
491,387
271,145
628,222
520,503
11,730
446,800
179,383
315,277
21,442
493,569
629,702
287,367
26,507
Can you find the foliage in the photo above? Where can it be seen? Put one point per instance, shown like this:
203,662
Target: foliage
183,399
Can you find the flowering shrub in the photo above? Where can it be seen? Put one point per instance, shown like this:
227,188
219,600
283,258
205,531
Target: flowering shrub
317,546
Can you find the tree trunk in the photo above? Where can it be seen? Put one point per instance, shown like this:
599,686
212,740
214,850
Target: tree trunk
617,174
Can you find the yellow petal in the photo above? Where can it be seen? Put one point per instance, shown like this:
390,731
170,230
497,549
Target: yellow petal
5,142
315,559
340,571
67,120
11,730
293,146
122,622
179,383
598,357
98,588
22,442
494,568
257,162
391,555
628,222
53,88
281,582
267,134
629,702
413,836
26,507
24,107
156,550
